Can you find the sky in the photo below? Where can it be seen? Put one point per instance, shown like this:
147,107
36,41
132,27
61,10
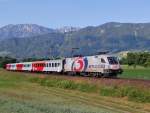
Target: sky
77,13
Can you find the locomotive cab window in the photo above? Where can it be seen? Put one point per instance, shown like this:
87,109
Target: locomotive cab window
102,60
112,60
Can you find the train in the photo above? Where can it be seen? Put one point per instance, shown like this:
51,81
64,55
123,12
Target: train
94,65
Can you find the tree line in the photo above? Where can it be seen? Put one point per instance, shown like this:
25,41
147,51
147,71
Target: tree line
6,60
137,58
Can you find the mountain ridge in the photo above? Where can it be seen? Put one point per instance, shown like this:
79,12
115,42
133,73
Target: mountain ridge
30,30
112,36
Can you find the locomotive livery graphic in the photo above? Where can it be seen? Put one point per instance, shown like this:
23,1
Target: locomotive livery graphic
79,64
96,65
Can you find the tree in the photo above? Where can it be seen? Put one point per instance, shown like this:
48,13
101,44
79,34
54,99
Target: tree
6,60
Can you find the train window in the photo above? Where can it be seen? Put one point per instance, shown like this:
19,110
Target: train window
49,64
102,60
52,64
55,64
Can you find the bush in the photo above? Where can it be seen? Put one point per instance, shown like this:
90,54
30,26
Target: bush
112,91
138,95
67,84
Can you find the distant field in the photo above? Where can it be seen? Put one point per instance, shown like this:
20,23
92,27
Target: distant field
19,95
137,73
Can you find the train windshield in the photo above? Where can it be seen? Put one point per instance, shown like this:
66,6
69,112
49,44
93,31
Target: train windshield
112,60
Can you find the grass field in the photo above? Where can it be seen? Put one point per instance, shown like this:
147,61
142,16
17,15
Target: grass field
137,73
19,95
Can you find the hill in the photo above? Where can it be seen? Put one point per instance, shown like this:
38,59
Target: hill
113,36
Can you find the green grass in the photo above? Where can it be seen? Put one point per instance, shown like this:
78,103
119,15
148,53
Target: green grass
65,84
24,93
135,73
132,93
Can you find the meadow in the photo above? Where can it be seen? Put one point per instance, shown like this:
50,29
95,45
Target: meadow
33,93
135,73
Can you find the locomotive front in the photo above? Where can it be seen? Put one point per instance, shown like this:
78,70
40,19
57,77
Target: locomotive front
113,68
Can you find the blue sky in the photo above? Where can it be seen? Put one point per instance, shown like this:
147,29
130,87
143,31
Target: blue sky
78,13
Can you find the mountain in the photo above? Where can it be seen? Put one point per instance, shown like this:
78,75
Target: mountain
38,46
66,29
113,36
23,30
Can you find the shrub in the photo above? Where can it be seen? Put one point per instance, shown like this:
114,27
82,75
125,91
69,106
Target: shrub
138,95
108,91
67,84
